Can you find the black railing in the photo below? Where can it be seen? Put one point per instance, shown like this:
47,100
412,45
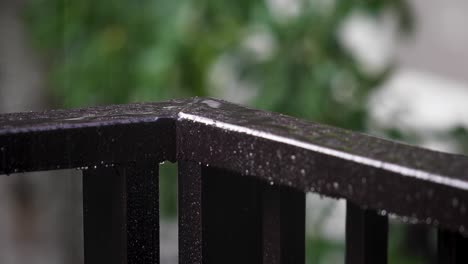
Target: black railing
243,175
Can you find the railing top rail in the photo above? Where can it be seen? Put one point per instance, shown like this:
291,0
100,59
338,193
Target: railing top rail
420,184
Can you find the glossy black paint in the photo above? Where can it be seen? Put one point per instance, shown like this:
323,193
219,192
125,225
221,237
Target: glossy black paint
452,248
278,158
366,236
227,218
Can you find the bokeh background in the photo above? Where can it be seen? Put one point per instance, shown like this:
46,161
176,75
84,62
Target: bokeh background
391,68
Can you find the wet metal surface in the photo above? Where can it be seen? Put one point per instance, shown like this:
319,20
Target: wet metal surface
412,183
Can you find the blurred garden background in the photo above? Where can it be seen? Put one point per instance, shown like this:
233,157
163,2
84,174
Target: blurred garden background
391,68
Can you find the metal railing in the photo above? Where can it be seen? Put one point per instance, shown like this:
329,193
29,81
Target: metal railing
243,175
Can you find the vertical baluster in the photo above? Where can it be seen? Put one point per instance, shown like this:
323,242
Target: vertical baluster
228,218
219,216
452,247
190,213
366,236
283,211
121,214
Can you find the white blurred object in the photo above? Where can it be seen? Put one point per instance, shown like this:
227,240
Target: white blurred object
416,101
439,42
421,104
370,39
260,43
284,10
225,81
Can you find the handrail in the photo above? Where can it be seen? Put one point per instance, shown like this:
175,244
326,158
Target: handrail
416,184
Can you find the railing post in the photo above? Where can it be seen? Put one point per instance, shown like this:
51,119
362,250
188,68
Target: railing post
283,223
121,214
229,218
452,247
366,236
190,213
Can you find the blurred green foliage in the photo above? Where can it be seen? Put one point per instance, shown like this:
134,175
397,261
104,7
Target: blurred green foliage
145,50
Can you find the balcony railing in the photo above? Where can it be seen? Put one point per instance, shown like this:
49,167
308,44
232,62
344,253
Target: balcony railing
243,175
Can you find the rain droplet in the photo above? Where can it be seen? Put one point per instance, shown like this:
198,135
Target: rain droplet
303,172
293,157
336,185
272,183
364,180
454,202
